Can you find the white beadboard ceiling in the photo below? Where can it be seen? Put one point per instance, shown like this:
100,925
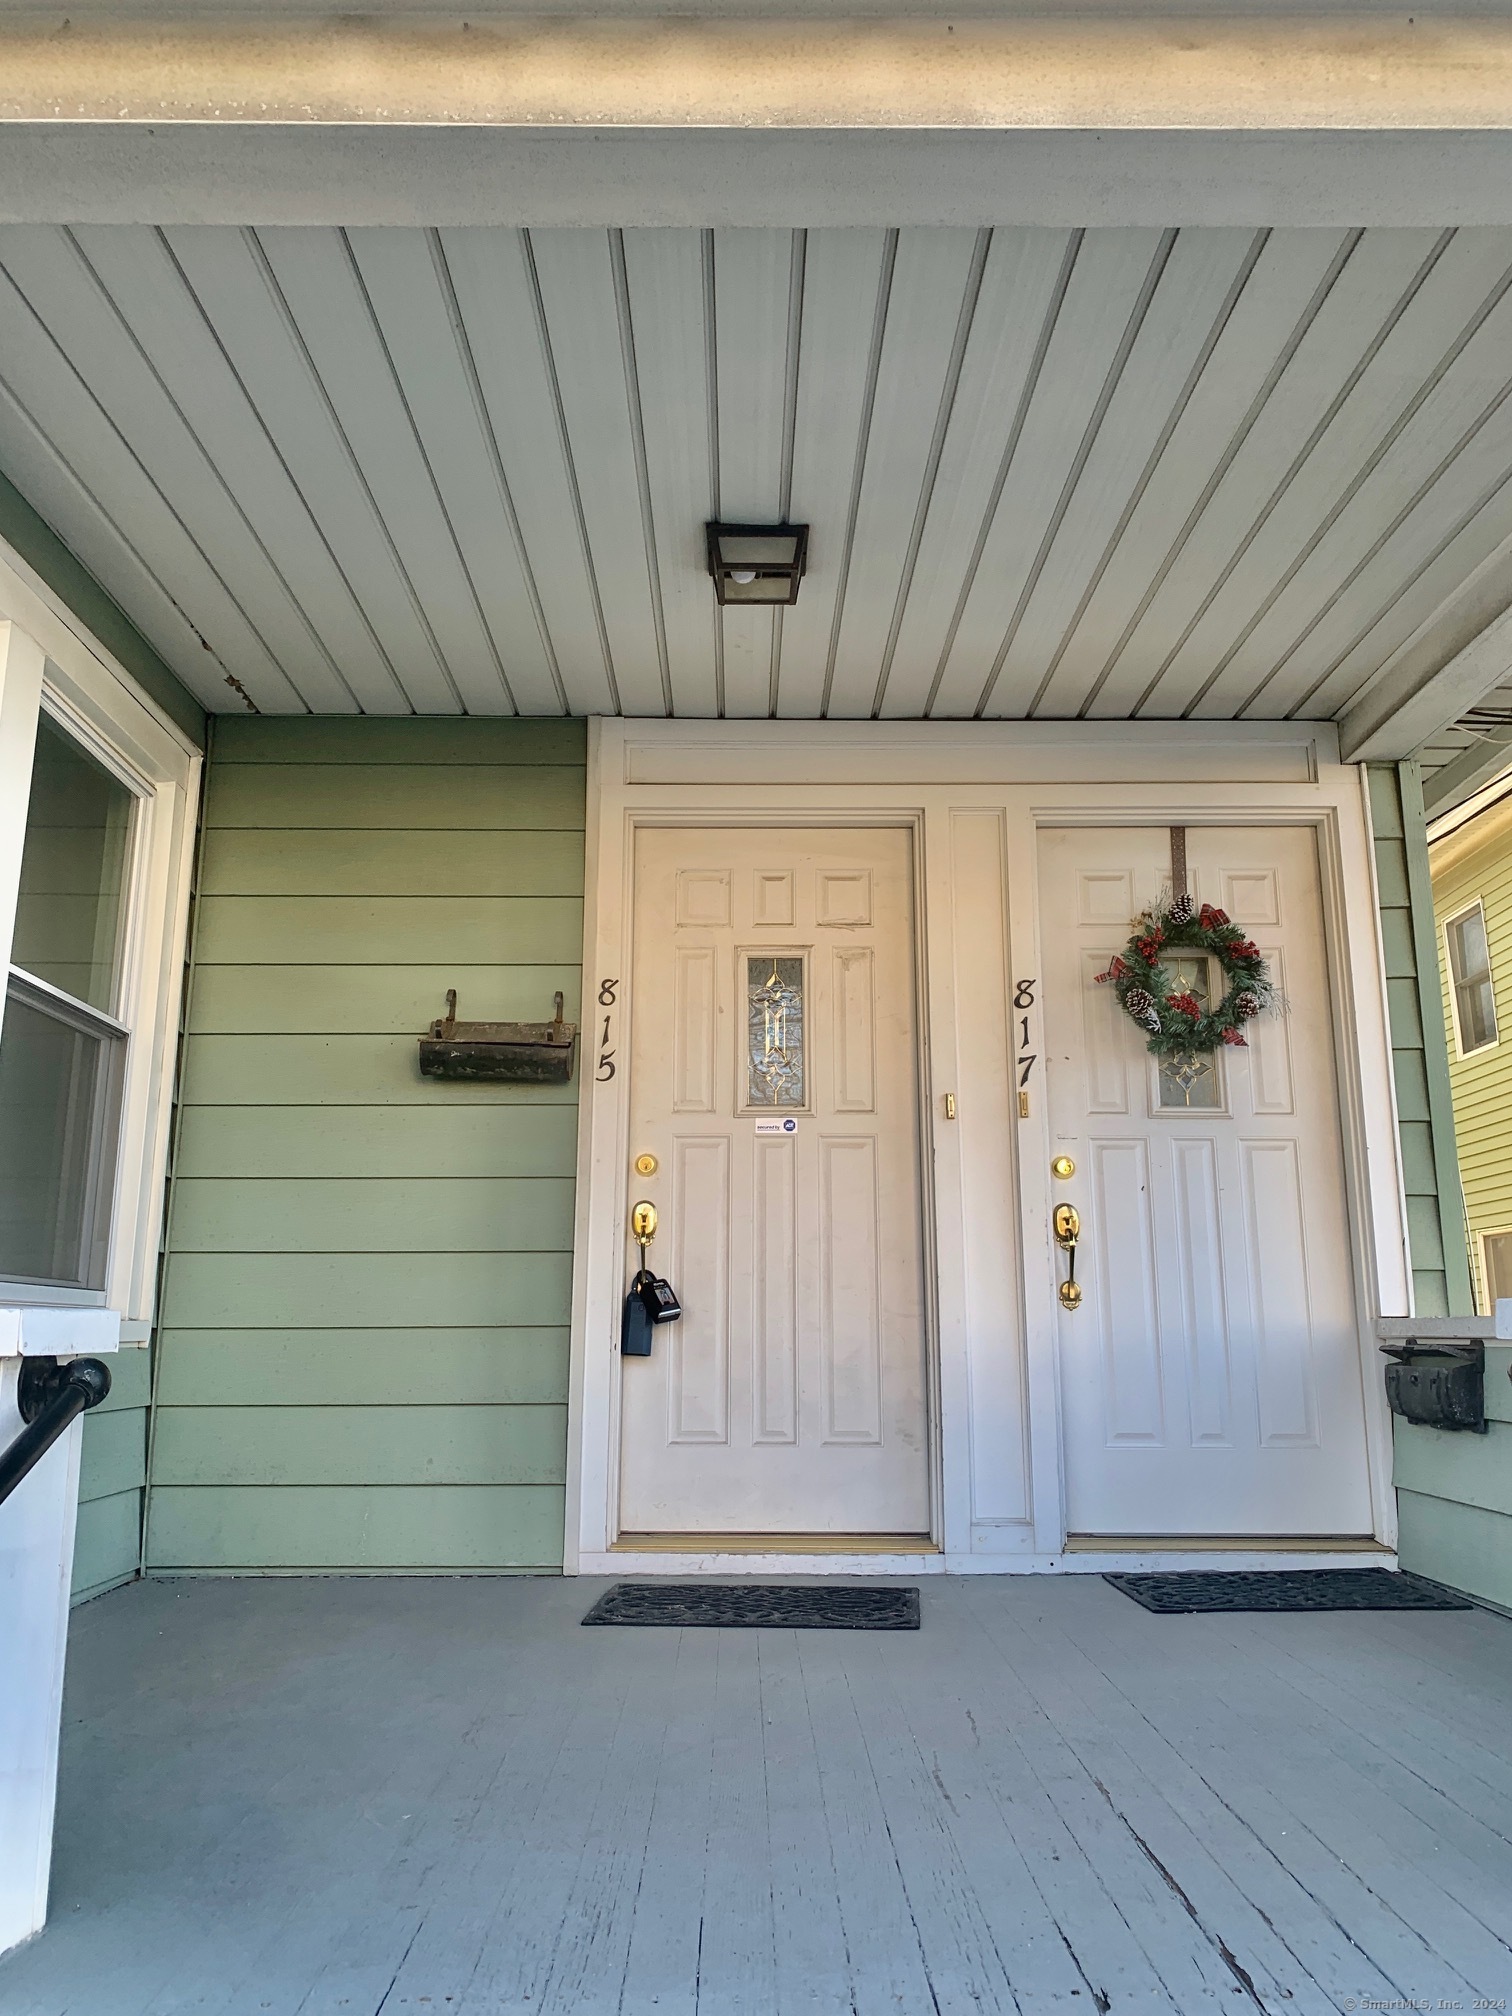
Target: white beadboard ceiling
1108,474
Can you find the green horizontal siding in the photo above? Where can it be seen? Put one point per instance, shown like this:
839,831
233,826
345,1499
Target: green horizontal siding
1440,1269
243,863
373,1000
412,797
327,1528
1456,1543
414,1140
344,1070
361,1444
497,1367
363,1359
112,1473
373,1214
388,930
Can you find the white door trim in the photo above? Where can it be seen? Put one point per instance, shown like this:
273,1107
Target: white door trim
1030,775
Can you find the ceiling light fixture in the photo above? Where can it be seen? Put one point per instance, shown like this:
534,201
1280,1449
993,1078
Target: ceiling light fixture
757,563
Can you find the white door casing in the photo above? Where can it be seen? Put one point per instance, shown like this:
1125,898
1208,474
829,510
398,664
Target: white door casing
1211,1379
975,798
790,1398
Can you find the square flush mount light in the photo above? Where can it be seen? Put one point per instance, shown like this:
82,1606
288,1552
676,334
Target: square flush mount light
757,563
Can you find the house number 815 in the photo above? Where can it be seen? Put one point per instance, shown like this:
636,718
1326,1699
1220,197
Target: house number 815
606,1065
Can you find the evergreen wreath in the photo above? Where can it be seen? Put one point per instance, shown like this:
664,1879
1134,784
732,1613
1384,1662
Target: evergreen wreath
1172,1018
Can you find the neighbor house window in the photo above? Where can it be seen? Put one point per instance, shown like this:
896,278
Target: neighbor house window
1496,1251
62,1042
1470,976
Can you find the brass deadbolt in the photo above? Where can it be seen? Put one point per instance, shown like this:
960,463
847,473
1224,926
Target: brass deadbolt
646,1165
1063,1168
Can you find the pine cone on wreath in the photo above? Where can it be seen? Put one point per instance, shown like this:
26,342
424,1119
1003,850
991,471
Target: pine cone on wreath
1182,910
1139,1001
1246,1006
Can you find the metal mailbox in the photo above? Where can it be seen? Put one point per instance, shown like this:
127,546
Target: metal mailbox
510,1053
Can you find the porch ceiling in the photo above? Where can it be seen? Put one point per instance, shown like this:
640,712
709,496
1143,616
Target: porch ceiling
1219,473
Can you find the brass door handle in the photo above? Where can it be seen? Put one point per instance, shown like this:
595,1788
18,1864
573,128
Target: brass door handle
1066,1225
643,1225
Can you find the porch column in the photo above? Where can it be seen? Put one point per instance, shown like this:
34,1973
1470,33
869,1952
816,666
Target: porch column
36,1566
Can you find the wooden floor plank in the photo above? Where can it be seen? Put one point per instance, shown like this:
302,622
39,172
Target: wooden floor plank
888,1972
737,1957
811,1965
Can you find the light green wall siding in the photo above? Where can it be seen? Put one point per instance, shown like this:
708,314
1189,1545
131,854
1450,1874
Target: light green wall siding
364,1341
112,1472
1440,1272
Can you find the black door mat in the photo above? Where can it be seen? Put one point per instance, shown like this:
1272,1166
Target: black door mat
1288,1589
758,1606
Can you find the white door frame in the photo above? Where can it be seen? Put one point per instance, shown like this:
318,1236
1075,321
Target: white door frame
928,776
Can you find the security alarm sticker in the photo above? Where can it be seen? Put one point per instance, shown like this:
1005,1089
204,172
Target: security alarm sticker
788,1126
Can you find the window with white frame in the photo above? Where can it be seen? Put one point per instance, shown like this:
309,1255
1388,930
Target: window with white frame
97,802
1470,979
62,1042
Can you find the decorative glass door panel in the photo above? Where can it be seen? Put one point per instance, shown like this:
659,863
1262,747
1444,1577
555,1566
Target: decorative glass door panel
774,1080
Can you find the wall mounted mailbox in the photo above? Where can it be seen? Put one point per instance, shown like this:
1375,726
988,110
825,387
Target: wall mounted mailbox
1438,1385
510,1053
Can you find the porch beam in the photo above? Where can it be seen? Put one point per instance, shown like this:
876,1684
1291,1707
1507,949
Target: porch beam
1111,119
1449,663
1463,775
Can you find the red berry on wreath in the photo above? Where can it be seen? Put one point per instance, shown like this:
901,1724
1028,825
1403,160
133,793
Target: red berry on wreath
1185,1004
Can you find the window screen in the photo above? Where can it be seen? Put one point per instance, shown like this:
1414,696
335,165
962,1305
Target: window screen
62,1052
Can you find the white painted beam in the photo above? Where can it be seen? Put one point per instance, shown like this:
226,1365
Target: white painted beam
1124,119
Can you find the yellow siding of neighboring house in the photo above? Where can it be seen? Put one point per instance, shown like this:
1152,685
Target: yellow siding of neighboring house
1466,868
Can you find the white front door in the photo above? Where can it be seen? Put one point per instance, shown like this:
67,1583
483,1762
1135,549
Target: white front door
1211,1379
774,1079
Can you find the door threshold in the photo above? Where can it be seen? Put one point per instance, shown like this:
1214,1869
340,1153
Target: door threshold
774,1543
1224,1543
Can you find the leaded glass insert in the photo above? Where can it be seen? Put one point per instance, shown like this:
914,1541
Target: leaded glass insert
774,1031
1189,1081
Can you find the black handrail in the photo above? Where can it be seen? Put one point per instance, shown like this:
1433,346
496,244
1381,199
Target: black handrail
50,1395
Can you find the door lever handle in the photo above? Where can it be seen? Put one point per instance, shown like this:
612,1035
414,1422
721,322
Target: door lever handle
1066,1225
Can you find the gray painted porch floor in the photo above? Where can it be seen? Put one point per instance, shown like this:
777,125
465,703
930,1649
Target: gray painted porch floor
354,1796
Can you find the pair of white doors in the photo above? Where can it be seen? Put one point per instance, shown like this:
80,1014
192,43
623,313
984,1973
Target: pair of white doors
1210,1380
